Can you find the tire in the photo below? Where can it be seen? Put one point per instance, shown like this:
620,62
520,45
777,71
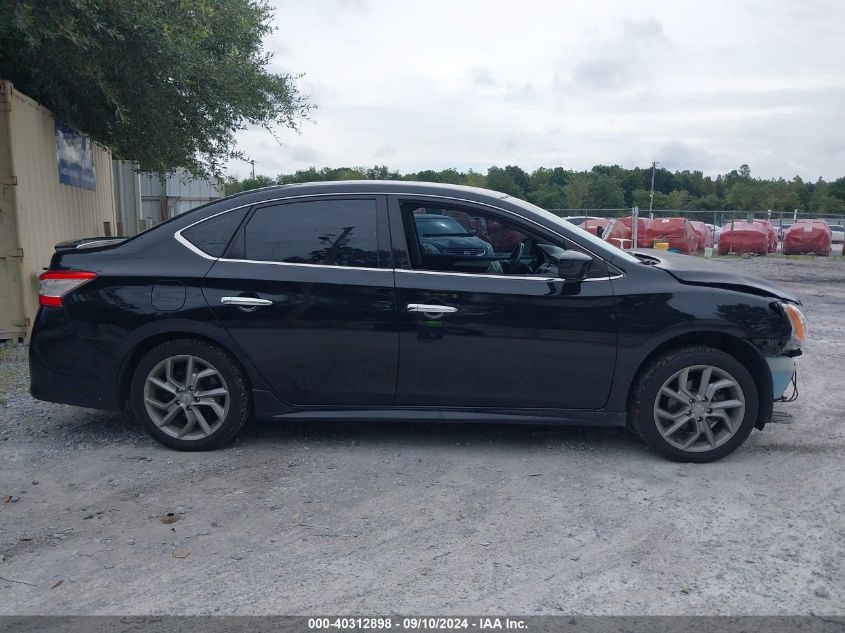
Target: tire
654,414
190,415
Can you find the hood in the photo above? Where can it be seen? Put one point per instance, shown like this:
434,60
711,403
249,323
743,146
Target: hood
697,271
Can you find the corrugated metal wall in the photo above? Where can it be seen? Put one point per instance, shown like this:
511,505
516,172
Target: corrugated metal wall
143,200
127,197
48,212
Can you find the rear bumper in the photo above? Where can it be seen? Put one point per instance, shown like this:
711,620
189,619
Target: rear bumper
67,368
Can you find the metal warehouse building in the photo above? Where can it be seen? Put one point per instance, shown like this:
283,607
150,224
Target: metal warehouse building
143,200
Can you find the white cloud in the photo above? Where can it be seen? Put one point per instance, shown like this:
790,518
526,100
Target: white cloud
473,83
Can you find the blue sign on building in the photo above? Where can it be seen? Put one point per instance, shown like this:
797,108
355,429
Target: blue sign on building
76,158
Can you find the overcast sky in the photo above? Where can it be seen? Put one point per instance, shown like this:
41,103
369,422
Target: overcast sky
474,83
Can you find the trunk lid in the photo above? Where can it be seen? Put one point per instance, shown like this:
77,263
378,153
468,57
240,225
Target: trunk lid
89,243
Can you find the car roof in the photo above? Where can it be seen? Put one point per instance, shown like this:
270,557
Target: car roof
332,188
459,193
368,186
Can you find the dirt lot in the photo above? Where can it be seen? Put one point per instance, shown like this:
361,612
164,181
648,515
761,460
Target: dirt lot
376,517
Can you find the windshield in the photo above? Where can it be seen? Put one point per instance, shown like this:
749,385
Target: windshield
608,249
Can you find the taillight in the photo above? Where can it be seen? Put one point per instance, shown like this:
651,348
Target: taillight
55,284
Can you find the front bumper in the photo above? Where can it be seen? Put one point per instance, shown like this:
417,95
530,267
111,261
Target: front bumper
782,369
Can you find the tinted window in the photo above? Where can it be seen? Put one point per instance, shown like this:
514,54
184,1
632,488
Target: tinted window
212,236
463,240
329,232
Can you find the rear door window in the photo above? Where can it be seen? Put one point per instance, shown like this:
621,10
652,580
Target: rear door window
323,232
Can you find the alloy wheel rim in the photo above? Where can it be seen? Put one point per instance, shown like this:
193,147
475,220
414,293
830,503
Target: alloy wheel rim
699,408
186,397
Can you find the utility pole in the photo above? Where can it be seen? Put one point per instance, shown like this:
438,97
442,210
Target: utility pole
251,162
635,220
651,197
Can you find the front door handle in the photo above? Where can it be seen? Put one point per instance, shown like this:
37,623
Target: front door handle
430,309
252,302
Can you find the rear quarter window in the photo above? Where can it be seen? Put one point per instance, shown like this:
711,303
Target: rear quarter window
212,236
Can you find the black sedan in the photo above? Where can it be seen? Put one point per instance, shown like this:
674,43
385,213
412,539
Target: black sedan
326,300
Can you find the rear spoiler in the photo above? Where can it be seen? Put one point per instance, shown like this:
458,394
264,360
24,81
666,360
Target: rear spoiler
88,242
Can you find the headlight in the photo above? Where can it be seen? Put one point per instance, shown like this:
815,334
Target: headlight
799,326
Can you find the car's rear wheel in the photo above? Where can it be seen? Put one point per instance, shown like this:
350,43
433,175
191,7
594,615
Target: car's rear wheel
190,395
694,404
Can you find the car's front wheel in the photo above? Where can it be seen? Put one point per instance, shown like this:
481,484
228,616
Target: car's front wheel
190,395
694,404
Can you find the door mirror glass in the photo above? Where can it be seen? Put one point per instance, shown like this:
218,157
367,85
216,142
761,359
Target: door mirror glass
573,265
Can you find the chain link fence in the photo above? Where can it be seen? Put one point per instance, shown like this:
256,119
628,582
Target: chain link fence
719,218
780,220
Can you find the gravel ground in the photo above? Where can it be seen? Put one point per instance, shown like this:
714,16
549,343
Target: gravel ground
407,518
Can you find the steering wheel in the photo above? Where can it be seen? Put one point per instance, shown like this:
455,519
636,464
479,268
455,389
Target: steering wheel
516,256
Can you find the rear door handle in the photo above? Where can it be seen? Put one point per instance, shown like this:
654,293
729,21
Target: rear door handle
253,302
430,309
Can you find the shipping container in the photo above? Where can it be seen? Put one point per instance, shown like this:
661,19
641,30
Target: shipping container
55,185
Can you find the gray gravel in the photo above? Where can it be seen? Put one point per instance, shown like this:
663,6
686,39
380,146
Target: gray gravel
376,517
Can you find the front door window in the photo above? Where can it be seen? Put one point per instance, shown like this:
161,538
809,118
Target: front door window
463,240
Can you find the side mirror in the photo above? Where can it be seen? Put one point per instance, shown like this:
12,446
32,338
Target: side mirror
573,265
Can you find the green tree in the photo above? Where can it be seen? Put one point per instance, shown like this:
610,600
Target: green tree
165,83
678,199
837,188
381,172
548,197
710,202
505,180
543,177
745,195
640,198
233,185
605,192
822,201
577,190
780,195
520,177
474,179
606,187
451,175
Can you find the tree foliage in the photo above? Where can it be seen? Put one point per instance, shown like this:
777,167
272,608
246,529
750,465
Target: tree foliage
166,83
608,187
